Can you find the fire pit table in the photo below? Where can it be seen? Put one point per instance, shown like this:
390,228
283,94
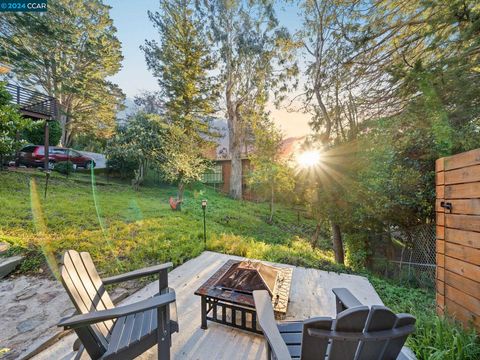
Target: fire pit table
226,297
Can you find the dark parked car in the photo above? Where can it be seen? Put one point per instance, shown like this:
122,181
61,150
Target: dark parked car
34,155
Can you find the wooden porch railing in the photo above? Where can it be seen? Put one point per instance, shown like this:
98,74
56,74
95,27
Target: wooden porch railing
33,104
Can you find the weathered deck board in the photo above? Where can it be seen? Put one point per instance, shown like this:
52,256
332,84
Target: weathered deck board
310,295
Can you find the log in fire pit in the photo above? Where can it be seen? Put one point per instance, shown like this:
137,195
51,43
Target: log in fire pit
227,295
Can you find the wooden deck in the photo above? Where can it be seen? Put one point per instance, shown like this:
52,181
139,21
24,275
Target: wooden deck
310,295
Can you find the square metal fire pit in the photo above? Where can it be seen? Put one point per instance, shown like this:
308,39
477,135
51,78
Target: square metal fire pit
226,297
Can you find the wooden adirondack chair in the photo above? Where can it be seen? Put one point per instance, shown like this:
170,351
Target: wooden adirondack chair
358,333
109,332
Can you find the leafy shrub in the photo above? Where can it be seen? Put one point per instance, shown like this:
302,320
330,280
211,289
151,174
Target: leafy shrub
119,163
356,253
35,133
11,123
64,167
89,142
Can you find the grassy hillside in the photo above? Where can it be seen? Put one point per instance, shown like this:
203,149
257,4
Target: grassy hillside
124,230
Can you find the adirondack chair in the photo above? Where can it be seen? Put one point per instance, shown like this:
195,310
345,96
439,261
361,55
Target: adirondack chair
123,332
358,332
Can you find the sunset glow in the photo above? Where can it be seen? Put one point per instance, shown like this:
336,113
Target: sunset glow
309,158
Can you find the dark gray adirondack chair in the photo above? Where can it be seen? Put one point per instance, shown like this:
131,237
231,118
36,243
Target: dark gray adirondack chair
109,332
358,332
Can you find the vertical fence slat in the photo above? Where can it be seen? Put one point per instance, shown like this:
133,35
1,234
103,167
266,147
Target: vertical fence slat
440,234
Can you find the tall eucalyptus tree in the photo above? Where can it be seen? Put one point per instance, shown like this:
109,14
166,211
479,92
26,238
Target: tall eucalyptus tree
256,59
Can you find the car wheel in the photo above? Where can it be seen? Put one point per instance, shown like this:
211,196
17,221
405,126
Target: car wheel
89,165
51,165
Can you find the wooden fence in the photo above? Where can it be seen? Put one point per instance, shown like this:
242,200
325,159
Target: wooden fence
458,236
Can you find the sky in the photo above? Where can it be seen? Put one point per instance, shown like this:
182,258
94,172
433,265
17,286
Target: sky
133,27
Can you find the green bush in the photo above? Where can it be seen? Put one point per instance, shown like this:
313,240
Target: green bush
89,142
121,165
356,252
35,134
64,167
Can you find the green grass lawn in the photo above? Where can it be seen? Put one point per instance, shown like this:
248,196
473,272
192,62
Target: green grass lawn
124,230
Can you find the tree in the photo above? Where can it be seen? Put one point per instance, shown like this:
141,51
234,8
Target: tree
178,159
256,57
332,96
69,52
150,102
270,174
137,143
35,134
401,70
182,64
146,142
11,125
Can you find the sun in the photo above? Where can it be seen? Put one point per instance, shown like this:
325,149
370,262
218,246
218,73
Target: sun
308,158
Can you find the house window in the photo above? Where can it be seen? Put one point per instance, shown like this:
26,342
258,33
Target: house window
213,176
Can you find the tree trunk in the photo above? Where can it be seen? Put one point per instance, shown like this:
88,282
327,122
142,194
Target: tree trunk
180,191
63,124
316,234
66,123
236,176
139,176
271,204
337,243
235,147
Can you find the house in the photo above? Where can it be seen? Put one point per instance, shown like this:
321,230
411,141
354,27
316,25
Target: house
219,176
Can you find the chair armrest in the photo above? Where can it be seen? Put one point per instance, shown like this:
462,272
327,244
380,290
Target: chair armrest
137,273
266,319
80,320
344,299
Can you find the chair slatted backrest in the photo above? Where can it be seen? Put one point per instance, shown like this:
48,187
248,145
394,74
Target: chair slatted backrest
380,318
312,346
358,321
86,290
351,320
394,346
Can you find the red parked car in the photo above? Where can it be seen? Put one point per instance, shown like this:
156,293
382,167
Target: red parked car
34,155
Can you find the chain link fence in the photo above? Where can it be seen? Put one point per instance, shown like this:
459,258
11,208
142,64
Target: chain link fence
407,255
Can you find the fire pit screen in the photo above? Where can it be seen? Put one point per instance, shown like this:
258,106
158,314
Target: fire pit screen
226,297
247,276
